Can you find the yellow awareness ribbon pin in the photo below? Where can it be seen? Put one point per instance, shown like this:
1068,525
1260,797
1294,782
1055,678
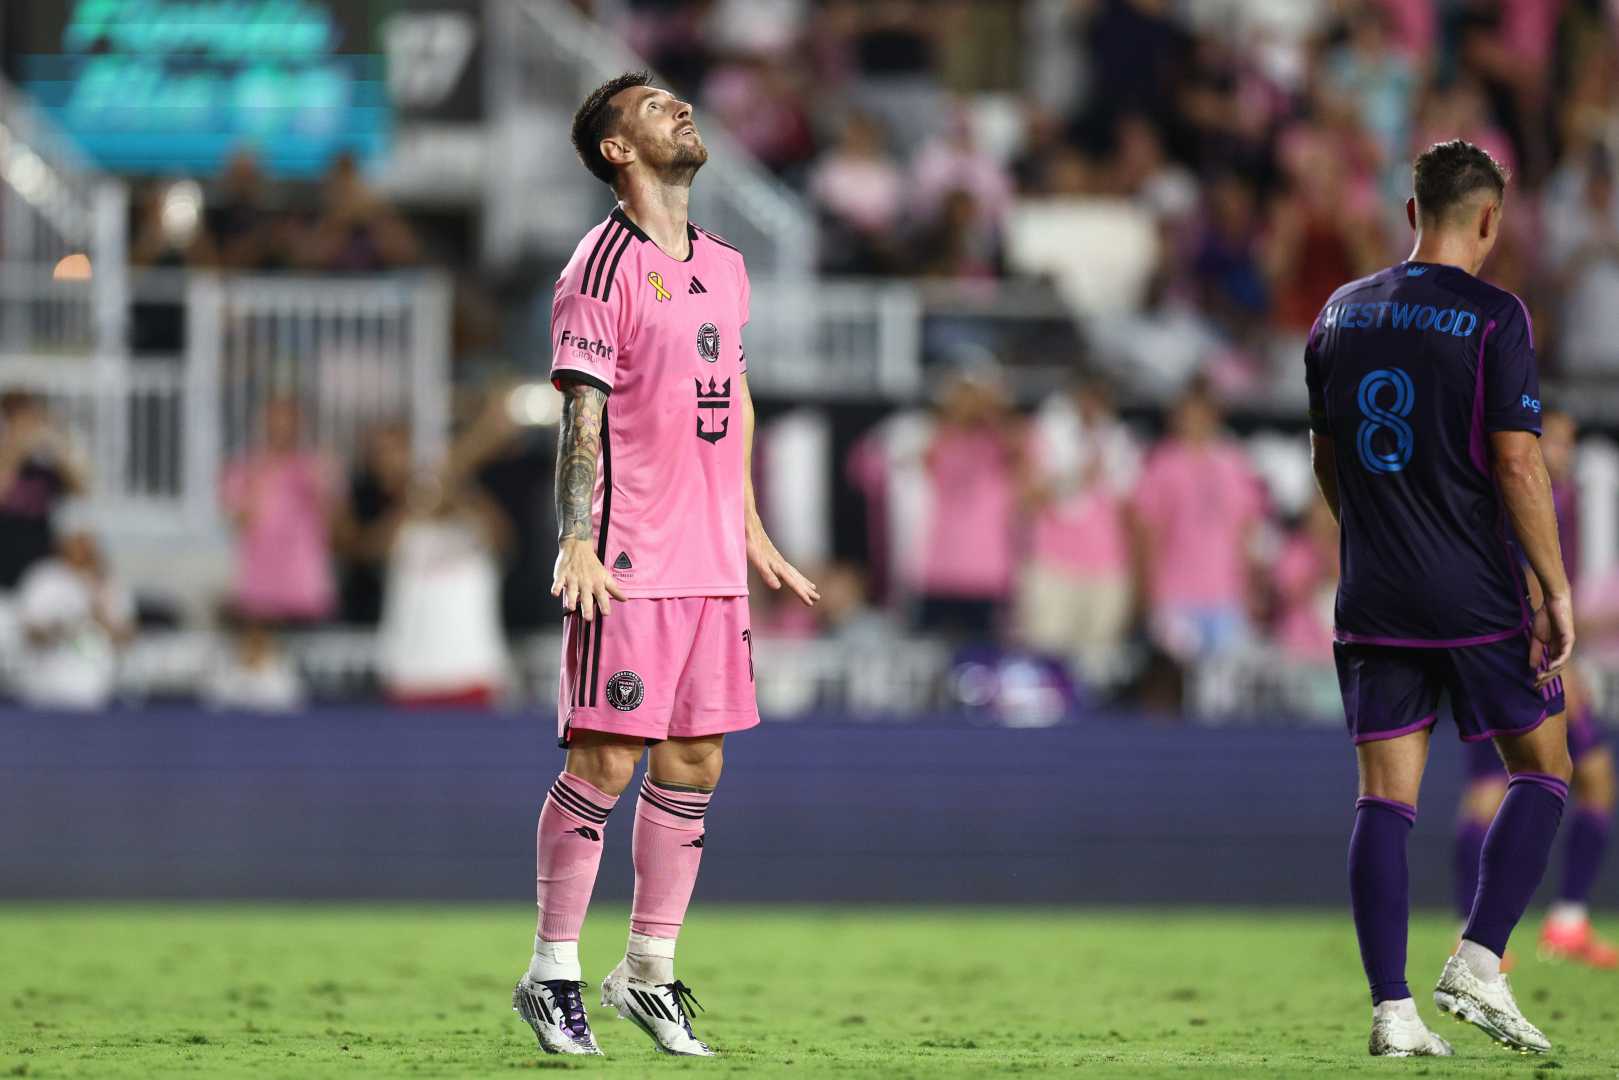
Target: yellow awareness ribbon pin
655,280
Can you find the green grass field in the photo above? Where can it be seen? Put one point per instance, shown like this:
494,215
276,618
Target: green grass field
334,991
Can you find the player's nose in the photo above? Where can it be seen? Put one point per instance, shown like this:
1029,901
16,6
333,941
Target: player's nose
682,110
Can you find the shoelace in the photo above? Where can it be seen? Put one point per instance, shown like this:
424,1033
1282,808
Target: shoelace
681,994
570,1002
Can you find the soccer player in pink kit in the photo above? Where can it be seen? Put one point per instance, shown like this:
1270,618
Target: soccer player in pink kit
646,329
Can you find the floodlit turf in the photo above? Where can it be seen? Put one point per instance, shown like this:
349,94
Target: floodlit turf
303,991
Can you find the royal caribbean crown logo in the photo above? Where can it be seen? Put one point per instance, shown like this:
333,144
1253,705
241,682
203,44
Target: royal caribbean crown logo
715,397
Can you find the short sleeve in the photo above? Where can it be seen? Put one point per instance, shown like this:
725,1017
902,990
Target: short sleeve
744,305
1511,381
586,336
1315,383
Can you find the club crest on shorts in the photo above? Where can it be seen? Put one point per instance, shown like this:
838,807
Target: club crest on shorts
708,342
625,691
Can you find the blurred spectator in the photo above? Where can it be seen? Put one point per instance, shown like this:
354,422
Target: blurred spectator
357,232
860,192
1582,248
254,672
1196,507
1074,592
1231,283
951,163
756,99
509,452
37,468
893,51
844,612
975,463
246,231
75,618
955,245
1306,582
280,497
365,527
1370,75
440,641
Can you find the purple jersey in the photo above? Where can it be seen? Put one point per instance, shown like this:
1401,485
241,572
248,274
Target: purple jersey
1409,370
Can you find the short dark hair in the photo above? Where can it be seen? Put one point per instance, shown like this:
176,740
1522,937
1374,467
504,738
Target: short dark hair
596,119
1447,173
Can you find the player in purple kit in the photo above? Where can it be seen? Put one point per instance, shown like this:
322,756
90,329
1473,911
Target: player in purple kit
1424,418
1566,934
658,525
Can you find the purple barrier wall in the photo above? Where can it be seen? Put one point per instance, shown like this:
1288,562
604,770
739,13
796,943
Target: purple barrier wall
368,802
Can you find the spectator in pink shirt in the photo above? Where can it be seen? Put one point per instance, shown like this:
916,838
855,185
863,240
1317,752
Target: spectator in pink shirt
1306,582
1074,592
279,498
1196,508
975,465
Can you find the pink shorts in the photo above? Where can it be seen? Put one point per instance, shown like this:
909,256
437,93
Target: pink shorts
674,668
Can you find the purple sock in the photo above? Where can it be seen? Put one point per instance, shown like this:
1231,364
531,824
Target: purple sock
1469,847
1582,857
1516,852
1380,892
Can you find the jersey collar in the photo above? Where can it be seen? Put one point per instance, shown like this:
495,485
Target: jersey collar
636,231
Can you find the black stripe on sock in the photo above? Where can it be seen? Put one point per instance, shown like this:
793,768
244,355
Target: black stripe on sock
569,800
669,808
584,284
676,794
600,809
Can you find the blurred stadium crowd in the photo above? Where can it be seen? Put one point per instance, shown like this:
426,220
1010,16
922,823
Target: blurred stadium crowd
1247,156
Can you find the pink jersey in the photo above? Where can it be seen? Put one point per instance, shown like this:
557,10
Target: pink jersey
664,339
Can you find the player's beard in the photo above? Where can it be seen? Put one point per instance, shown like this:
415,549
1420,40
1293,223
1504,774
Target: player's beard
681,161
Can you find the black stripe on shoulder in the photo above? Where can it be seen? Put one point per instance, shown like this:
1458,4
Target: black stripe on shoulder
623,219
721,241
590,263
607,290
601,263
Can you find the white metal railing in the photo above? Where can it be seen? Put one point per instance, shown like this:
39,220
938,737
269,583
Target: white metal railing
544,58
156,430
55,203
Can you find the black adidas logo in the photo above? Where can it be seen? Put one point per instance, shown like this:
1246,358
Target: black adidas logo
697,843
588,833
623,562
696,287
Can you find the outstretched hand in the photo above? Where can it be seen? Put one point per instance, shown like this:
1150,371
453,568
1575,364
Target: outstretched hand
583,582
1554,629
776,571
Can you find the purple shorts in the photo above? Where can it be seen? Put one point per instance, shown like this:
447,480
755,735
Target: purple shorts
1483,763
1391,691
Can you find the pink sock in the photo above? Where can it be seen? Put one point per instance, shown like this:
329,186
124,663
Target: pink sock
668,848
568,851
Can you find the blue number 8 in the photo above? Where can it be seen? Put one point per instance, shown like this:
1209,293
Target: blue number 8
1391,420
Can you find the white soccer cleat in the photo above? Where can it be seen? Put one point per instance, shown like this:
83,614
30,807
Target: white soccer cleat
1488,1006
658,1010
1402,1036
556,1012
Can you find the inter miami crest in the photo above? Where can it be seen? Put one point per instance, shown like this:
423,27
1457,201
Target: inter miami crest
708,342
625,691
708,401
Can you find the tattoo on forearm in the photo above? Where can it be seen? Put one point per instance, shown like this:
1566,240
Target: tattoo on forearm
579,443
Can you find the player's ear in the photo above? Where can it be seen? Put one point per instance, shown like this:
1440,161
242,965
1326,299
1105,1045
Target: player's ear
617,152
1411,211
1489,222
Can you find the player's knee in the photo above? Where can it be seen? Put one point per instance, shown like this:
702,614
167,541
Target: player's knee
609,766
1481,799
1594,781
1547,759
693,762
